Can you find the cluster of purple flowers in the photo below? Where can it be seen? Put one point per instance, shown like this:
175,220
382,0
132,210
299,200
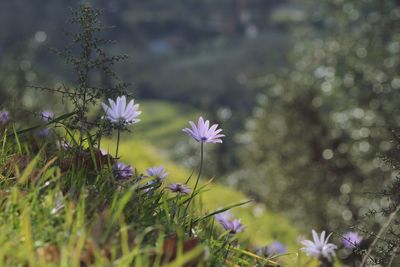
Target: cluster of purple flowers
119,111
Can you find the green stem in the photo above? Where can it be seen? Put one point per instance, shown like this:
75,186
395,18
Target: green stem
195,186
201,168
118,138
227,244
175,209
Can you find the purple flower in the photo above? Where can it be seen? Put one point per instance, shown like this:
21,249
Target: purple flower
203,133
47,115
234,226
275,248
179,188
351,239
120,112
319,248
44,132
4,117
157,172
122,171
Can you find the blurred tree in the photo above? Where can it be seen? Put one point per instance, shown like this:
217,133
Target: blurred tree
193,51
316,137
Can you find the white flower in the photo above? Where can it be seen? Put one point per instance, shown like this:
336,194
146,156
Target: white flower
120,112
320,247
202,132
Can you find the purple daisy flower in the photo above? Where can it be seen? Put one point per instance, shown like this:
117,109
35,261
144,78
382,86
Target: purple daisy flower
120,112
47,115
275,248
179,188
234,226
319,248
44,132
203,132
157,172
351,239
4,117
122,171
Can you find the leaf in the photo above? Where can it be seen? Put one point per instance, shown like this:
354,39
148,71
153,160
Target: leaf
221,210
58,119
29,169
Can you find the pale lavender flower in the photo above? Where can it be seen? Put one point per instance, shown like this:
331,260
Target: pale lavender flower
4,117
234,226
351,239
203,132
319,248
179,188
120,112
47,115
275,248
44,132
122,171
157,172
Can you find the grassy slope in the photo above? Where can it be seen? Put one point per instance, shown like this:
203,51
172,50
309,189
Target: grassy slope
161,122
160,125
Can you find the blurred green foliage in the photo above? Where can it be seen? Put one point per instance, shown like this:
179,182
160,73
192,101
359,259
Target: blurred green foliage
315,141
203,53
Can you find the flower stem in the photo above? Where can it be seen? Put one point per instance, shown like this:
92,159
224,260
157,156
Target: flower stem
196,184
118,137
226,243
175,208
201,167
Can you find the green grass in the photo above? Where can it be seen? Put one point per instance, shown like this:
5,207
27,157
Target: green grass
160,127
94,205
262,228
161,122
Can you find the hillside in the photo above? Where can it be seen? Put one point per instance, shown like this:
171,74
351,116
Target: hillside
161,125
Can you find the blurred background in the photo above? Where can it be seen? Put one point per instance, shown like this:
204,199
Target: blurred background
307,91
